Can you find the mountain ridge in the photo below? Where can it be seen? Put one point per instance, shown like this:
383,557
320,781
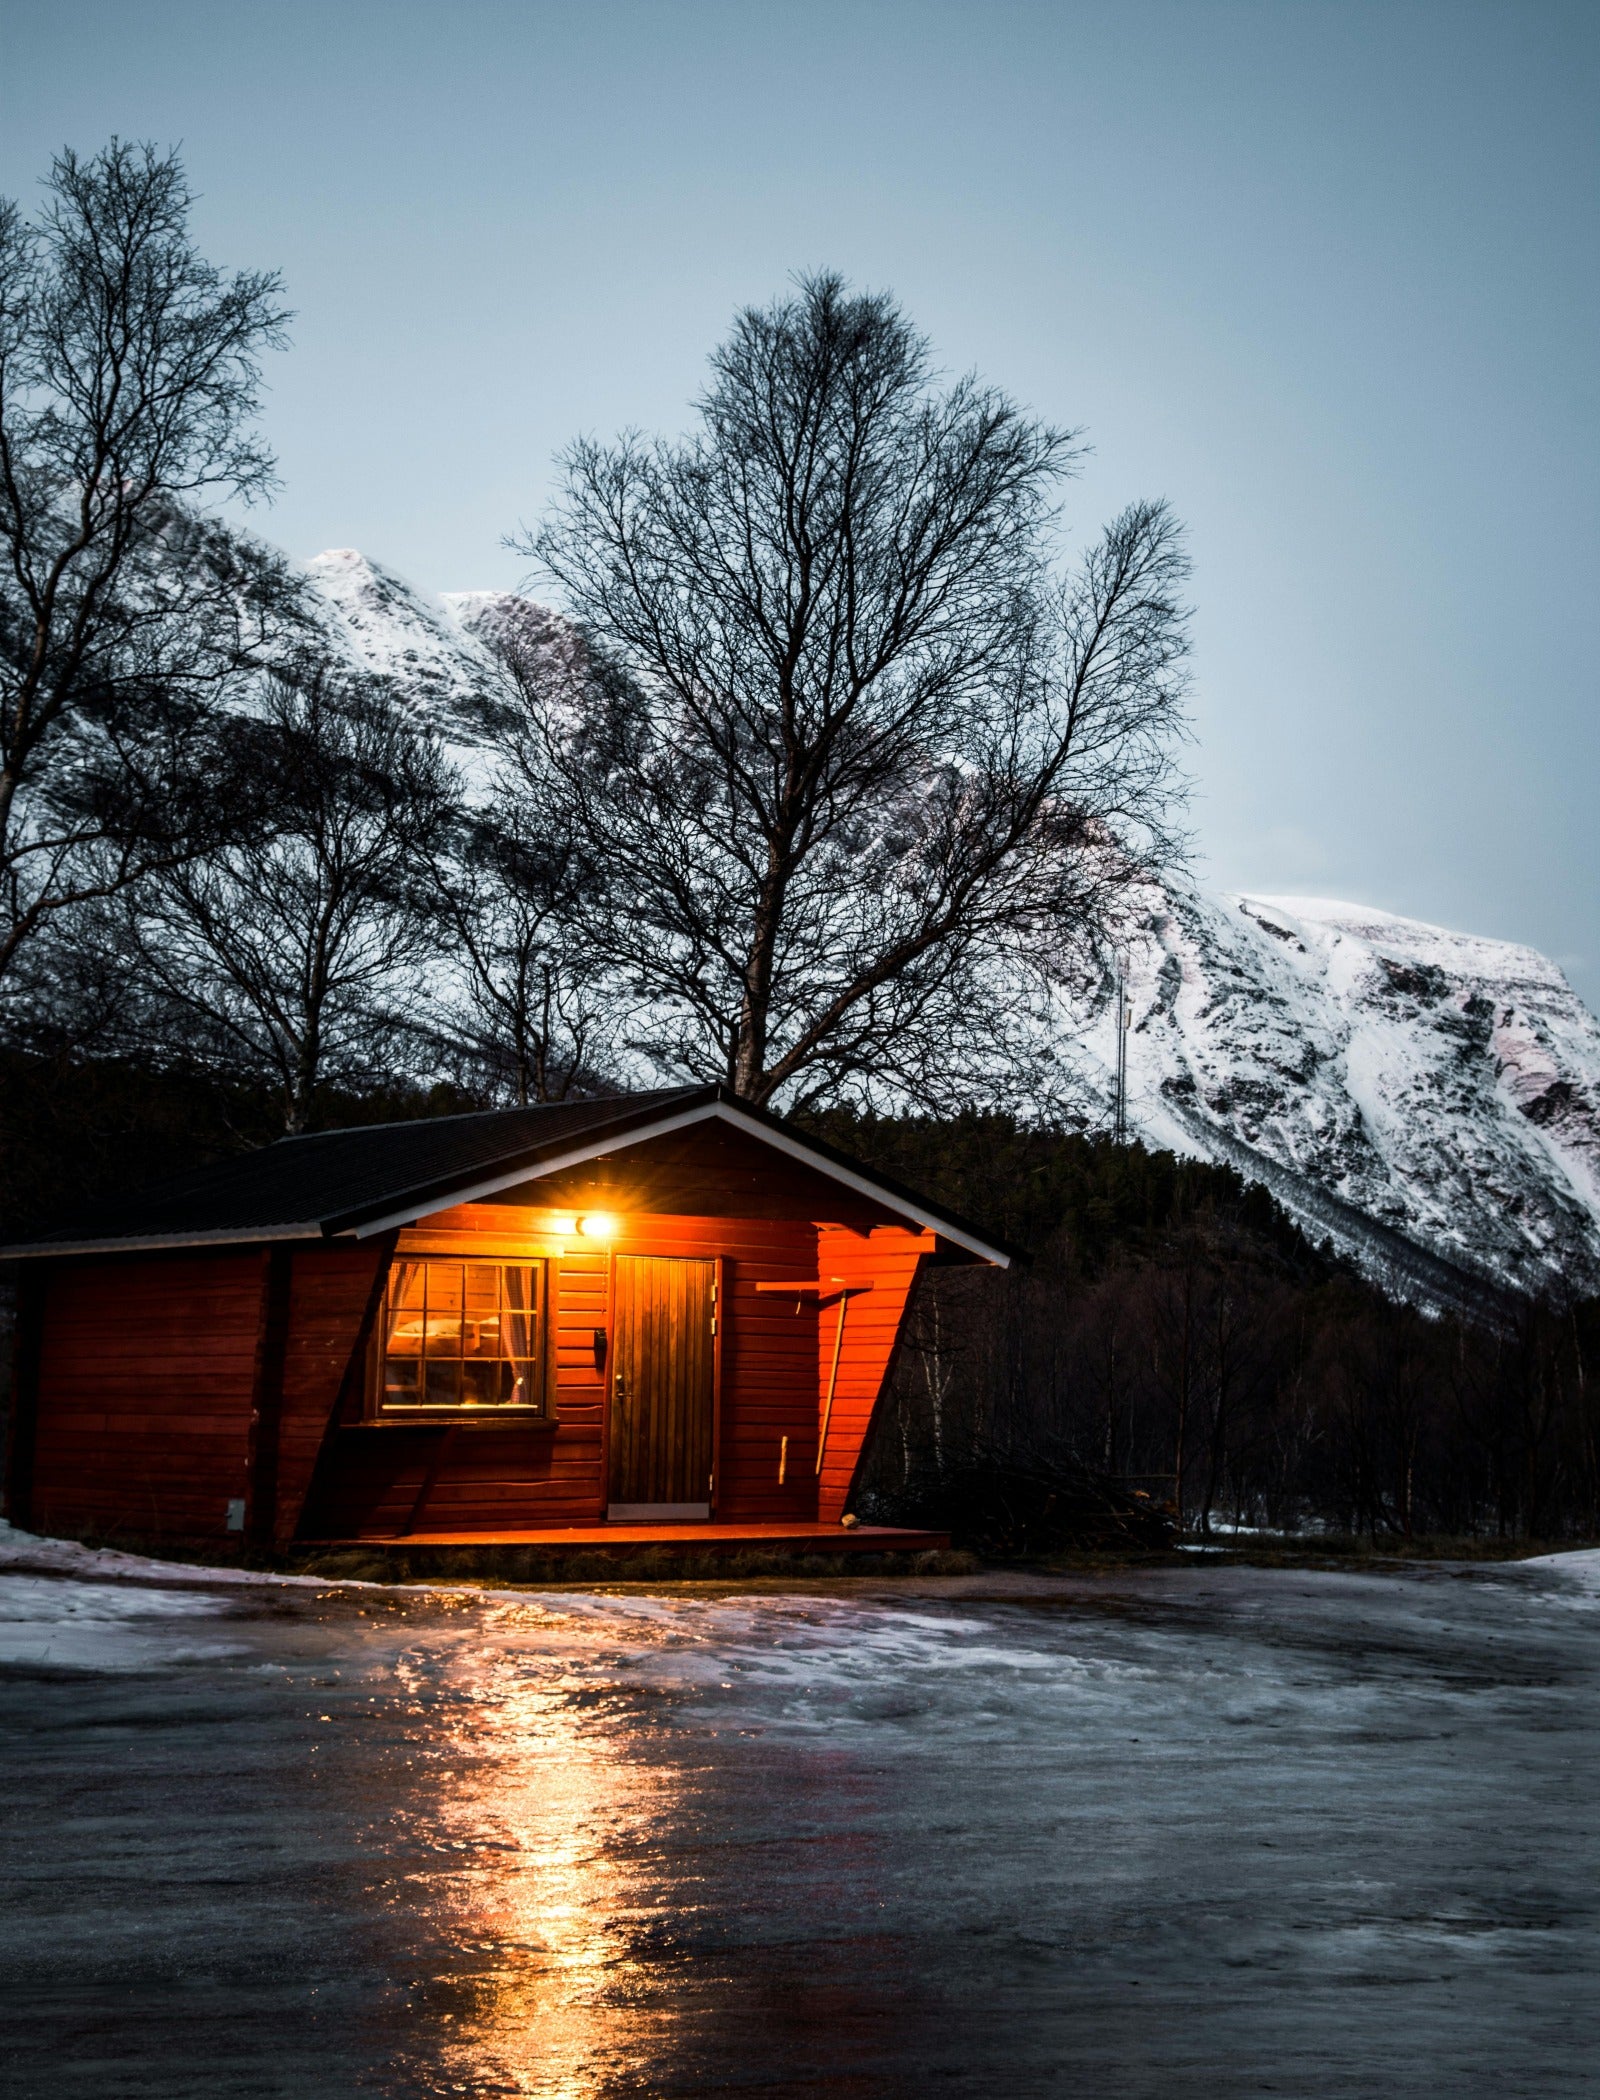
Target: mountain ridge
1397,1085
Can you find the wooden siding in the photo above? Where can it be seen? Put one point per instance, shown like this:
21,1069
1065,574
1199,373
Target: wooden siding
769,1391
486,1478
382,1478
329,1293
887,1260
146,1372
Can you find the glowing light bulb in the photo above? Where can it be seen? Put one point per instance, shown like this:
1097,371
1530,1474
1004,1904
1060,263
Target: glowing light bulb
598,1225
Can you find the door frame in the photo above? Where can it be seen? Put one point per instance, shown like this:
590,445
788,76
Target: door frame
653,1250
719,1320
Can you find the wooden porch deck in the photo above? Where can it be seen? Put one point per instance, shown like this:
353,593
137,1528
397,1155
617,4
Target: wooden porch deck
691,1537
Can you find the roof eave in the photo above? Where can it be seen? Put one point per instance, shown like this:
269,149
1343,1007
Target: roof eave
531,1164
159,1242
714,1104
633,1126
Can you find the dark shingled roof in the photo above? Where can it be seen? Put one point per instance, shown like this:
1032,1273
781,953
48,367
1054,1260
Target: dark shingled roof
339,1180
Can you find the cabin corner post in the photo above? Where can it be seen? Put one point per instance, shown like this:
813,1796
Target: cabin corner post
26,1347
352,1383
267,1399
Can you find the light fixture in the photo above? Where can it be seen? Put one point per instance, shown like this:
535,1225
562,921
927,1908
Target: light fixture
598,1225
561,1228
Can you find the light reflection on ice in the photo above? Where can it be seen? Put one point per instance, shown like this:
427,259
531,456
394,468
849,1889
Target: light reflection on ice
593,1829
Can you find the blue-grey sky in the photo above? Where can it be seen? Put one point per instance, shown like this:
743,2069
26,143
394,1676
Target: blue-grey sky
1323,275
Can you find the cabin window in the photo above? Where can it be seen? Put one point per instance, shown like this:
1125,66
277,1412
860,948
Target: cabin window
460,1337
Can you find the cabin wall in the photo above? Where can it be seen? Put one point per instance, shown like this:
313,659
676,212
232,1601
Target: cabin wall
170,1385
385,1479
382,1480
330,1290
882,1266
769,1380
145,1375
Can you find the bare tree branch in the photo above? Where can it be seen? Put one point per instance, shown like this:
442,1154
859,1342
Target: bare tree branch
292,951
129,381
851,756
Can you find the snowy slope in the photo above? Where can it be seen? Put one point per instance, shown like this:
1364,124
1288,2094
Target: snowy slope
1438,1085
387,624
1398,1086
445,655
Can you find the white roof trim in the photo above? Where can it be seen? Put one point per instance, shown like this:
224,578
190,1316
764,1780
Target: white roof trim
154,1242
706,1111
494,1184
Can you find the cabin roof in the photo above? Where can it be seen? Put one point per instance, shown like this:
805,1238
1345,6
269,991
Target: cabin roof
353,1183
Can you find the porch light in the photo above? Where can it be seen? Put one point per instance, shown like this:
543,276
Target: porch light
598,1225
562,1227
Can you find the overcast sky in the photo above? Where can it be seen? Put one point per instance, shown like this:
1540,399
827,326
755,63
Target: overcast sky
1324,276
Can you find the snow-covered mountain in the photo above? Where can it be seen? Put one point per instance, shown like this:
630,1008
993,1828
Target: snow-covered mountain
1396,1085
1429,1100
429,647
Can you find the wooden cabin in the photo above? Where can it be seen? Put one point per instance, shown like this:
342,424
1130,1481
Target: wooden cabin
579,1321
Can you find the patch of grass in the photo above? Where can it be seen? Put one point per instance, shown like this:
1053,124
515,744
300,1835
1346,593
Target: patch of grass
514,1567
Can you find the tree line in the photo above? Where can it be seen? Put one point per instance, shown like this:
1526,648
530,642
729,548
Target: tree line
1173,1333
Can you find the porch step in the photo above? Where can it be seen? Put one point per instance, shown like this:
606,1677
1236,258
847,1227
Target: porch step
690,1537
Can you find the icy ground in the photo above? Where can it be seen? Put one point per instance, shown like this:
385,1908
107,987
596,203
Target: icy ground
1208,1832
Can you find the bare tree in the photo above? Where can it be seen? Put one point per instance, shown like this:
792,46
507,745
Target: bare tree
524,1003
288,952
129,378
853,756
522,1010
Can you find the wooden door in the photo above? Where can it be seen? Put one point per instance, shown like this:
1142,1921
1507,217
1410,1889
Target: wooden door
663,1387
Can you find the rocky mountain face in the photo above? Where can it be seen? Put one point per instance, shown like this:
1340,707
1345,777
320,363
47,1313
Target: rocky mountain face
1428,1100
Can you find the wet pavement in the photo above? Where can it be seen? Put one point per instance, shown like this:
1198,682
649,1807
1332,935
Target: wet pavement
1215,1831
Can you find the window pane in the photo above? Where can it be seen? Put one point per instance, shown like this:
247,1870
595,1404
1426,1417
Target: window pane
400,1381
485,1384
516,1327
483,1288
481,1326
461,1335
445,1309
407,1309
443,1385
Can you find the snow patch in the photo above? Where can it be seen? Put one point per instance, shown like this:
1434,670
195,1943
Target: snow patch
26,1552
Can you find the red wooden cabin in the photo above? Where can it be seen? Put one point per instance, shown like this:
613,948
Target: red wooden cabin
580,1320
